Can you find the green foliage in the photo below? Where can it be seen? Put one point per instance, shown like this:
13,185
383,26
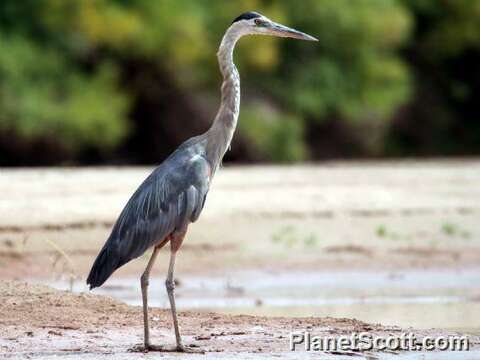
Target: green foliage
452,29
48,92
355,72
444,54
449,229
274,136
43,96
454,26
454,230
289,237
62,64
381,231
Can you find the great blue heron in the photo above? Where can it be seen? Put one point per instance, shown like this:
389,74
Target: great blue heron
173,196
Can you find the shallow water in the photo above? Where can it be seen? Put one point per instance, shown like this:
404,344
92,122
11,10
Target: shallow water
445,299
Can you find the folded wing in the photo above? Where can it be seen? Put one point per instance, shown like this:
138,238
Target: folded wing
168,200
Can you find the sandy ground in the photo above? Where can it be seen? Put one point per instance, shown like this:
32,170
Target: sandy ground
38,321
82,197
334,217
339,215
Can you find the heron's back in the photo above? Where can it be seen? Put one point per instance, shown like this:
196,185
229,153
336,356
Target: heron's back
169,199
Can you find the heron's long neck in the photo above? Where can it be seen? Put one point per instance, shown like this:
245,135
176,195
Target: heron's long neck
221,132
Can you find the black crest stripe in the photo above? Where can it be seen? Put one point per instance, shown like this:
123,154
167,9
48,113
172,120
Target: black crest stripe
247,16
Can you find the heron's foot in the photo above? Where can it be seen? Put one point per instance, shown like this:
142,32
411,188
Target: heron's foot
138,348
191,349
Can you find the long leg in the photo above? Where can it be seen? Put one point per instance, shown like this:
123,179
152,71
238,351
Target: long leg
144,280
175,243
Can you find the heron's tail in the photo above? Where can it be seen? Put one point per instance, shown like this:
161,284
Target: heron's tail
104,266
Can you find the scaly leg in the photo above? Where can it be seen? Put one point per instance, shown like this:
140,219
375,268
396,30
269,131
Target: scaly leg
175,243
170,285
144,279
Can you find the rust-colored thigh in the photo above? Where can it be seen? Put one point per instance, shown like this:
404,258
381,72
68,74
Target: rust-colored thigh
176,239
163,242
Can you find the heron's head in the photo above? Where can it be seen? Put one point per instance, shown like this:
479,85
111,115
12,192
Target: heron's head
251,23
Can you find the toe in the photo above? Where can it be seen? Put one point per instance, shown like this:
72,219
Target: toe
191,349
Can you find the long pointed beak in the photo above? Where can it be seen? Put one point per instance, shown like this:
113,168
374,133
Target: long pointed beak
284,31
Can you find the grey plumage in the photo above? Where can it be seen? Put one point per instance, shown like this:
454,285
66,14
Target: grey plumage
167,201
174,194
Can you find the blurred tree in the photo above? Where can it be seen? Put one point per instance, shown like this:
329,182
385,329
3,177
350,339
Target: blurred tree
45,90
131,79
355,74
442,118
272,135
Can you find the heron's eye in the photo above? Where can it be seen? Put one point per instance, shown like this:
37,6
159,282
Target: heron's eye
260,22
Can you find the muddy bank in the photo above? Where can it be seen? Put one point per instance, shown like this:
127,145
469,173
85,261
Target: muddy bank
422,299
333,215
375,215
38,321
392,243
79,198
